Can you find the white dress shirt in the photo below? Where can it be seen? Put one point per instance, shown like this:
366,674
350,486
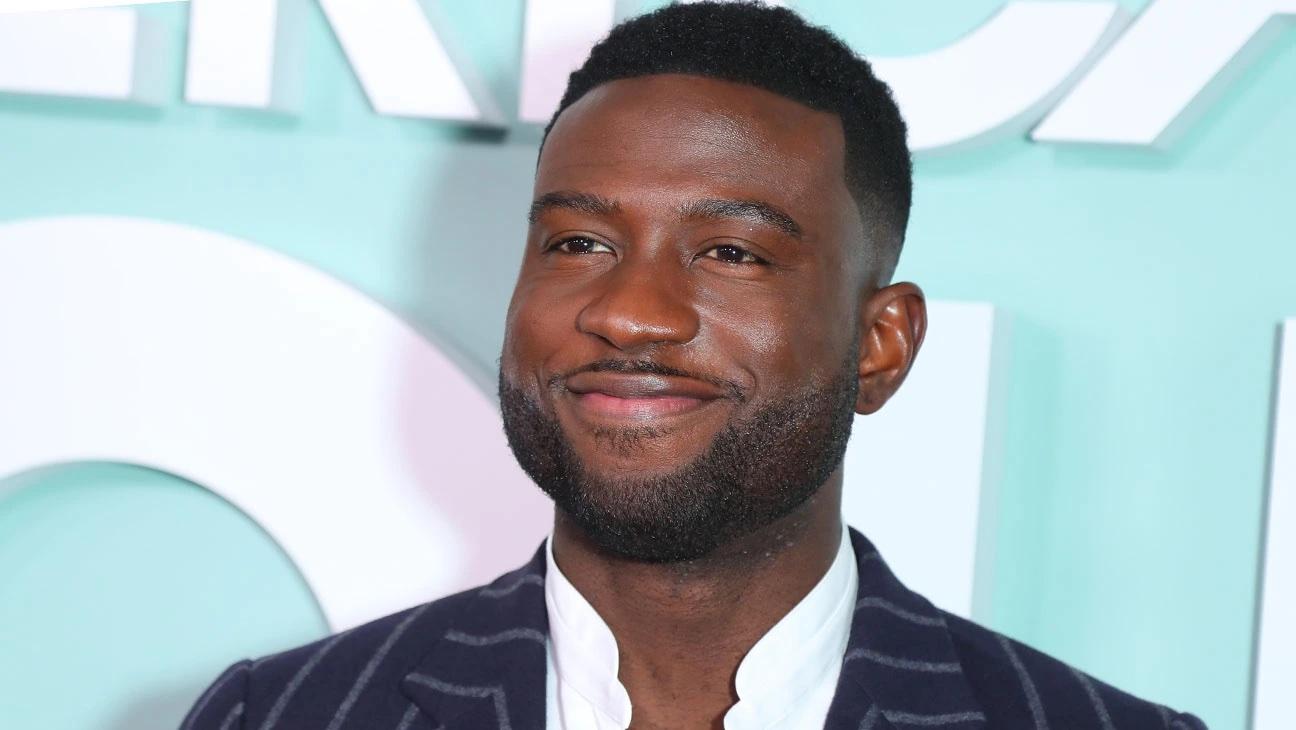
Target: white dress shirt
786,681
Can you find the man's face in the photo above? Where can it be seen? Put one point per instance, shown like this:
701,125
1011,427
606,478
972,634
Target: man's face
681,351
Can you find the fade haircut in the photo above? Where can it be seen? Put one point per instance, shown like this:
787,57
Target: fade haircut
774,49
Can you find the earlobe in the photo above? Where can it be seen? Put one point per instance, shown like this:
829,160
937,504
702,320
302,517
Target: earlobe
894,324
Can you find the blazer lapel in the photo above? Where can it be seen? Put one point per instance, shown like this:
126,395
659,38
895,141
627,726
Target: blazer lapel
488,671
900,665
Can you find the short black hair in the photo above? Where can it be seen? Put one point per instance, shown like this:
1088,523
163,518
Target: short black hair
774,49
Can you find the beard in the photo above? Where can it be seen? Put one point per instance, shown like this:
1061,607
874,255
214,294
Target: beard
755,471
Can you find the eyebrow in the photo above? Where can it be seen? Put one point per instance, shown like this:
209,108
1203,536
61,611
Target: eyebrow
706,209
572,200
752,210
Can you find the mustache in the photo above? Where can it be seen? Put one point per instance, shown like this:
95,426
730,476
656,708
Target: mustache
651,367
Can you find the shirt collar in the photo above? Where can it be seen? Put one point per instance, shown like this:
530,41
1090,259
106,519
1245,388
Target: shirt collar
792,658
584,651
800,652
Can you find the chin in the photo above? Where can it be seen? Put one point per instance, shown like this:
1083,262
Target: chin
616,460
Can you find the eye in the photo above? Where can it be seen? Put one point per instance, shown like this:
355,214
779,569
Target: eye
731,254
580,245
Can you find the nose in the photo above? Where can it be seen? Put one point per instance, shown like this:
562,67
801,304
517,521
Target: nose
640,305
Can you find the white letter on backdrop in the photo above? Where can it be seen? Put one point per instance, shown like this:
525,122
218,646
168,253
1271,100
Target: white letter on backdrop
1170,64
404,65
343,432
1276,655
244,53
30,6
82,53
558,36
1002,77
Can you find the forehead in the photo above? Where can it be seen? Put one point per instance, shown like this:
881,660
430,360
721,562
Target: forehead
670,134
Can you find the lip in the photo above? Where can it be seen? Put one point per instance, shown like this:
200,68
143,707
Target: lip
639,397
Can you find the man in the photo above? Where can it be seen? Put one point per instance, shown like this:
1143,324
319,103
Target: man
703,305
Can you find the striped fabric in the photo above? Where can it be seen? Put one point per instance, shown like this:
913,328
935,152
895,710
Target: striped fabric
476,661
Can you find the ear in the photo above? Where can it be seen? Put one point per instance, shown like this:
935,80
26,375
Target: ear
893,323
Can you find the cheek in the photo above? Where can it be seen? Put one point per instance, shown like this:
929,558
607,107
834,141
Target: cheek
830,315
539,320
783,338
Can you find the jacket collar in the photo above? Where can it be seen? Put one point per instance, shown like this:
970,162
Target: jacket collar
488,670
900,664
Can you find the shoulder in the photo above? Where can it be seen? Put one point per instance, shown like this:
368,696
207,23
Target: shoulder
392,637
311,683
1021,687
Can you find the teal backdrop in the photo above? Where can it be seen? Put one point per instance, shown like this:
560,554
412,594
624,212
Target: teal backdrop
1144,289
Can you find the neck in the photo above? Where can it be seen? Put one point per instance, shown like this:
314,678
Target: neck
683,628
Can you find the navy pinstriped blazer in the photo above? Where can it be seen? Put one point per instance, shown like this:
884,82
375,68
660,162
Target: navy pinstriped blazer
476,661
